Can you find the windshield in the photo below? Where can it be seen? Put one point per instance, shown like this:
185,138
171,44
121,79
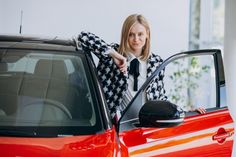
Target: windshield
46,90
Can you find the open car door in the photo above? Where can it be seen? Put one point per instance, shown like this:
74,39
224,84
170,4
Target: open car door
192,79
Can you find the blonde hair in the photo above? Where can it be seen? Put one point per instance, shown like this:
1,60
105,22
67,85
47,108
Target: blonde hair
127,25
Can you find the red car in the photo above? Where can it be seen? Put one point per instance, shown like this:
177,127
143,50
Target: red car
52,105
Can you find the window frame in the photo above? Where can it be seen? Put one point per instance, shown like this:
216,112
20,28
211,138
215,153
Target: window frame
219,76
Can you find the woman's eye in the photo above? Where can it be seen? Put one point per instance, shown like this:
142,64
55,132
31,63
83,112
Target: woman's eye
131,35
140,34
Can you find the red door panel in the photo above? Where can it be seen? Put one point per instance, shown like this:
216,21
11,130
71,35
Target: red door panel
208,135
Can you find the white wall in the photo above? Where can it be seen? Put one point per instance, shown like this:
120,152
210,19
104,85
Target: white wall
1,15
230,58
169,19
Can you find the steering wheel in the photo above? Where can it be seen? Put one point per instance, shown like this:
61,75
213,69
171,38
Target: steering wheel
52,103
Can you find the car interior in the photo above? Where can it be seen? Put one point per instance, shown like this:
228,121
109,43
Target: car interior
43,89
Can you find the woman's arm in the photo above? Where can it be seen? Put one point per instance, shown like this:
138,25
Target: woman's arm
92,43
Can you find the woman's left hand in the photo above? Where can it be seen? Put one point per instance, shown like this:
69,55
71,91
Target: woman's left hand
201,110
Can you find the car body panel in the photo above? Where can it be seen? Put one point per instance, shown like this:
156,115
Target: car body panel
194,136
103,144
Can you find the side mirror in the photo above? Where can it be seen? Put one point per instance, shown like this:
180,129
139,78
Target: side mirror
160,114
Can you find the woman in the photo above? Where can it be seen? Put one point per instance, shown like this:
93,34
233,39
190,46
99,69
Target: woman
134,52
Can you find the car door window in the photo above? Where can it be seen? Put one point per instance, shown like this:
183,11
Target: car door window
190,82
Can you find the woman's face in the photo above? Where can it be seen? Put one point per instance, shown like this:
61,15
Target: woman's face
137,38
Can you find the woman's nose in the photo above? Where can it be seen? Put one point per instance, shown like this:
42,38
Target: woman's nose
136,37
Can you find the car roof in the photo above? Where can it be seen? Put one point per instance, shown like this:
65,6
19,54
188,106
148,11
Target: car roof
40,43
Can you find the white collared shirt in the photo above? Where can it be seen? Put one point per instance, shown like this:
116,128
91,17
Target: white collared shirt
142,74
130,93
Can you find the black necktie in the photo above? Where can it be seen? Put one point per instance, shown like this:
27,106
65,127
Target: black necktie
134,70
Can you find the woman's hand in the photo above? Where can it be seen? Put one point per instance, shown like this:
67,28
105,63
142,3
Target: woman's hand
200,110
119,60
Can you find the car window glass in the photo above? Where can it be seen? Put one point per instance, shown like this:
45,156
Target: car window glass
190,82
46,88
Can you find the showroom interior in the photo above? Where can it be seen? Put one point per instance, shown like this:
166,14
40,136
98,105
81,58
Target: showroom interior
176,26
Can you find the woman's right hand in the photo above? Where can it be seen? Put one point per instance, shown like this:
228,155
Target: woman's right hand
120,61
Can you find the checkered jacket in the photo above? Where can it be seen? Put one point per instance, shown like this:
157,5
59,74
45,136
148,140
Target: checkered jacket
113,81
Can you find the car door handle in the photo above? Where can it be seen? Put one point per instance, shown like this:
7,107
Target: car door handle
221,135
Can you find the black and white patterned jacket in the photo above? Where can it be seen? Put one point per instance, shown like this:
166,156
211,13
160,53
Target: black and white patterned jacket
113,81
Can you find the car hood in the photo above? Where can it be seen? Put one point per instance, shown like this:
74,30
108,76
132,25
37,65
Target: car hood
103,144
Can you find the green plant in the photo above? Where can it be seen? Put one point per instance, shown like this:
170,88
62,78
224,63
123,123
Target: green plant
184,77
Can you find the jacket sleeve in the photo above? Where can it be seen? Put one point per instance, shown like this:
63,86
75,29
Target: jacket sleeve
161,88
92,43
156,90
